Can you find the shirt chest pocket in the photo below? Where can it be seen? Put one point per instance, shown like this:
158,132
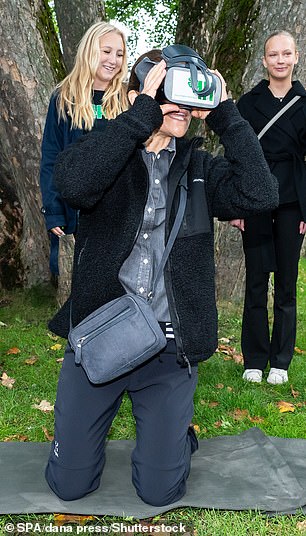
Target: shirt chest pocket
196,218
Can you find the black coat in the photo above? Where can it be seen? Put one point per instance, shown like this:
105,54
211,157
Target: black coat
105,177
284,144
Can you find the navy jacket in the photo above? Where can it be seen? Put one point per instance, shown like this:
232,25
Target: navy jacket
108,182
57,136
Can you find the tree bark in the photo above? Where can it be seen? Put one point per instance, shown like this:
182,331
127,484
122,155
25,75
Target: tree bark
27,78
74,17
230,36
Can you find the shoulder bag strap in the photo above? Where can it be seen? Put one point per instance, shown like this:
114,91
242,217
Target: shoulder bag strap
277,116
173,234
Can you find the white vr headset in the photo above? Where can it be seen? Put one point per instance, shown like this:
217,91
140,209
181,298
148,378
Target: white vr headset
188,81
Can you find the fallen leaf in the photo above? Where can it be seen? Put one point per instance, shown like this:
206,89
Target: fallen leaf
213,404
17,437
13,350
229,389
219,386
53,337
217,424
3,325
60,360
56,347
44,406
299,351
294,393
301,525
239,414
49,436
31,360
238,358
256,419
203,402
62,519
196,428
6,381
284,407
224,340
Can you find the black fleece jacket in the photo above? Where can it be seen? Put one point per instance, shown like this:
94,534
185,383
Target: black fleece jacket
105,177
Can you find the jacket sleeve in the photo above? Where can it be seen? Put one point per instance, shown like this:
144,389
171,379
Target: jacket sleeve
52,144
240,183
87,168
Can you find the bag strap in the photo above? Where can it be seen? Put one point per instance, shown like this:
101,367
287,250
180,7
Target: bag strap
173,234
277,116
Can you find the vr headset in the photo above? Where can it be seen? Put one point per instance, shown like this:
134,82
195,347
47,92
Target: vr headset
188,81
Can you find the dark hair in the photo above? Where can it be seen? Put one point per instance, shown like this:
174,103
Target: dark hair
154,55
278,32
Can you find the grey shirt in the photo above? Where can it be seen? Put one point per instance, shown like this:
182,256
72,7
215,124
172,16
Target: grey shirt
139,268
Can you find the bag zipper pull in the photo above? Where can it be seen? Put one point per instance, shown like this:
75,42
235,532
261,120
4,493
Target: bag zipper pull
187,363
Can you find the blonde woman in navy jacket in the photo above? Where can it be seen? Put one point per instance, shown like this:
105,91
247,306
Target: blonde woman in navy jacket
272,241
91,93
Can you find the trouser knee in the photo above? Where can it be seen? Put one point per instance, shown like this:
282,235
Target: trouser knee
69,484
159,488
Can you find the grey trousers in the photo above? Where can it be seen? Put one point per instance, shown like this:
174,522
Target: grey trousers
162,401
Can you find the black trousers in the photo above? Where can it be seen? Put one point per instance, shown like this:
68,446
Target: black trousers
283,242
162,402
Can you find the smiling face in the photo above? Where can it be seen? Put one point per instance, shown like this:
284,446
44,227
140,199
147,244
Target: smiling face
280,57
176,123
111,58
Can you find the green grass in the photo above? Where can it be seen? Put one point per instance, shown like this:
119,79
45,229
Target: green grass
224,403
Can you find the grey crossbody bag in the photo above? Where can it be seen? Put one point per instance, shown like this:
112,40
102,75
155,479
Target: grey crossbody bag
123,333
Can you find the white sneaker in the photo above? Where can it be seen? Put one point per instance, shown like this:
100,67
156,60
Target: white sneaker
277,376
252,375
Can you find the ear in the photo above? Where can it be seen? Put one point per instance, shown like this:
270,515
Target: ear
296,57
264,62
132,96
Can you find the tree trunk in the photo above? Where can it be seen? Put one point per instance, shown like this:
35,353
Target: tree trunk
74,17
230,36
27,78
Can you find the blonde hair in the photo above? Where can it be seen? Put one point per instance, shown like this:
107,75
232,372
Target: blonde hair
75,91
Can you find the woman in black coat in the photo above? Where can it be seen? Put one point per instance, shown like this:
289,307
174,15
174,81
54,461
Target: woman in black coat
272,241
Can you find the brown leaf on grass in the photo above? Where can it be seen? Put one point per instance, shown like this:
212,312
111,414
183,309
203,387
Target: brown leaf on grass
44,406
213,404
299,351
48,436
13,350
62,519
6,381
229,389
301,525
60,360
238,358
300,404
239,414
284,406
31,360
294,393
219,386
218,424
227,350
256,419
196,428
16,437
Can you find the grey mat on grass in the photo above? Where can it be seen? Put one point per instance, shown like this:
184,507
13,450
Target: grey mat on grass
244,472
